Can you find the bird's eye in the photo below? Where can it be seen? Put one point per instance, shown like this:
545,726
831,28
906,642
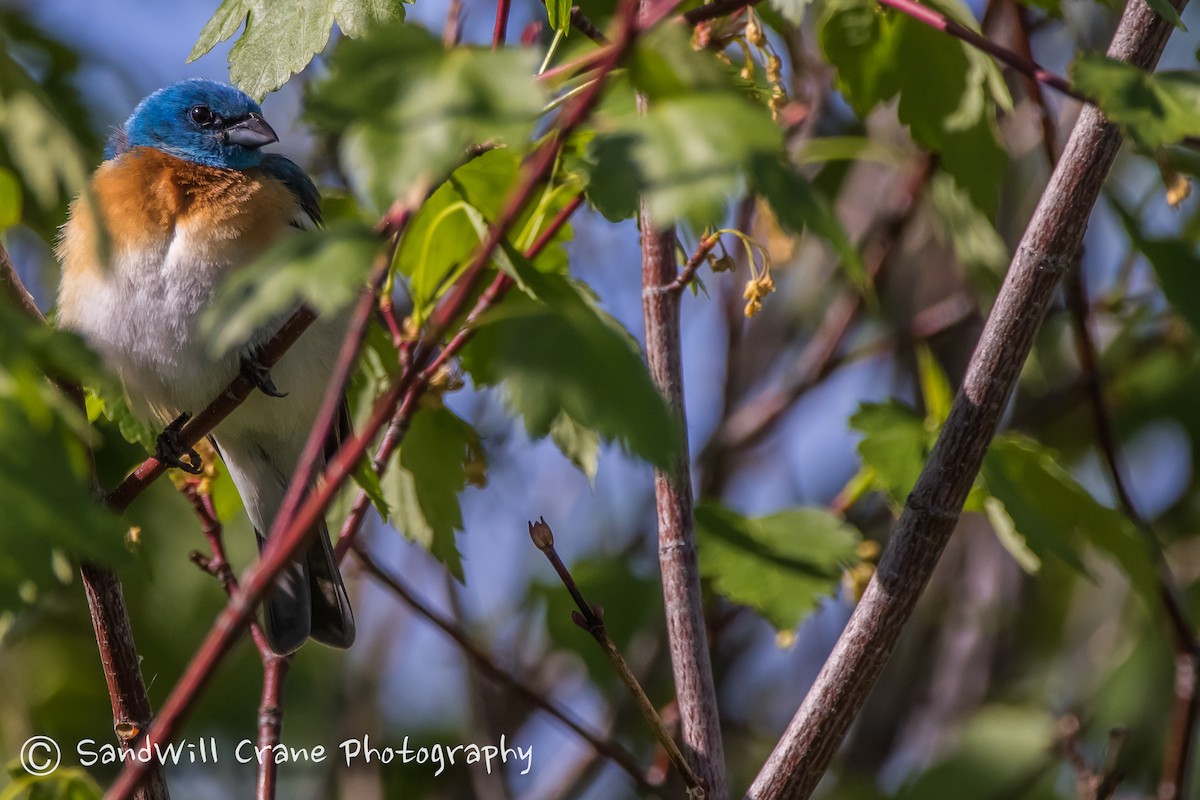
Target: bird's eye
201,115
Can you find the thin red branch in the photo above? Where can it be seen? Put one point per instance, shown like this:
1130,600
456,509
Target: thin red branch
693,263
1048,247
501,28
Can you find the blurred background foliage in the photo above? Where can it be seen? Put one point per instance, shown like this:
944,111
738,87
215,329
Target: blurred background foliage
869,177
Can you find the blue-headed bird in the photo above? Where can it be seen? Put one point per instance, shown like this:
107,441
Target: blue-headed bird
186,196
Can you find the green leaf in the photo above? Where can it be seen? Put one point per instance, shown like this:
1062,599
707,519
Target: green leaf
968,230
1152,109
41,148
422,487
895,445
1175,264
282,36
564,356
948,92
10,199
406,108
1055,515
67,783
780,565
936,392
797,205
687,156
449,228
558,14
324,269
792,10
691,150
579,444
45,486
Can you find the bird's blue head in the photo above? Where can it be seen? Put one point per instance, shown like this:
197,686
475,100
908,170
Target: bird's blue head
201,121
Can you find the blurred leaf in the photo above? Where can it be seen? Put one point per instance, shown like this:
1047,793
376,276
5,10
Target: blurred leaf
936,391
1055,515
1152,109
407,108
780,565
1175,264
563,356
691,150
1000,750
792,10
579,444
948,92
107,397
422,487
968,230
10,199
43,150
798,205
324,269
45,487
895,444
1012,540
282,36
67,783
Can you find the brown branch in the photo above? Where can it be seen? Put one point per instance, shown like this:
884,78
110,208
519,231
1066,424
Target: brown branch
1048,247
591,619
697,258
691,663
605,747
106,602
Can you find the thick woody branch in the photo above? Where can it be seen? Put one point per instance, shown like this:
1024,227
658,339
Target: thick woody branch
695,690
1050,243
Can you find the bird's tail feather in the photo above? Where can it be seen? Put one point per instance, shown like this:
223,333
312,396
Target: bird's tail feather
287,610
332,620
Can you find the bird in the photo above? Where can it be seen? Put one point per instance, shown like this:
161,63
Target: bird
184,197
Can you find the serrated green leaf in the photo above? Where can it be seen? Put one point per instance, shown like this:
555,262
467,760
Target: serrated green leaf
282,36
895,444
948,92
324,269
780,565
1056,516
798,206
1153,110
421,487
406,108
564,356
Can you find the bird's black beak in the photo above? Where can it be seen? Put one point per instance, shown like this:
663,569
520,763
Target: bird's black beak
251,132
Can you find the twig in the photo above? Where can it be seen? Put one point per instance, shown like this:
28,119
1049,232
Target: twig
106,602
693,263
943,23
585,26
288,533
719,8
1044,254
501,27
691,662
452,31
605,747
275,667
591,619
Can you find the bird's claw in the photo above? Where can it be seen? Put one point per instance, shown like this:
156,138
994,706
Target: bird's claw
171,452
260,375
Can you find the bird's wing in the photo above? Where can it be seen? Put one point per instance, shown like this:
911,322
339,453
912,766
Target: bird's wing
288,173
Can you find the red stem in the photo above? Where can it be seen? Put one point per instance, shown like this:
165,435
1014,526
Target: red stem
501,29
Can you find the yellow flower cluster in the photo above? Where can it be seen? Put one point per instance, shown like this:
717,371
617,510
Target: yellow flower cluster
756,289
